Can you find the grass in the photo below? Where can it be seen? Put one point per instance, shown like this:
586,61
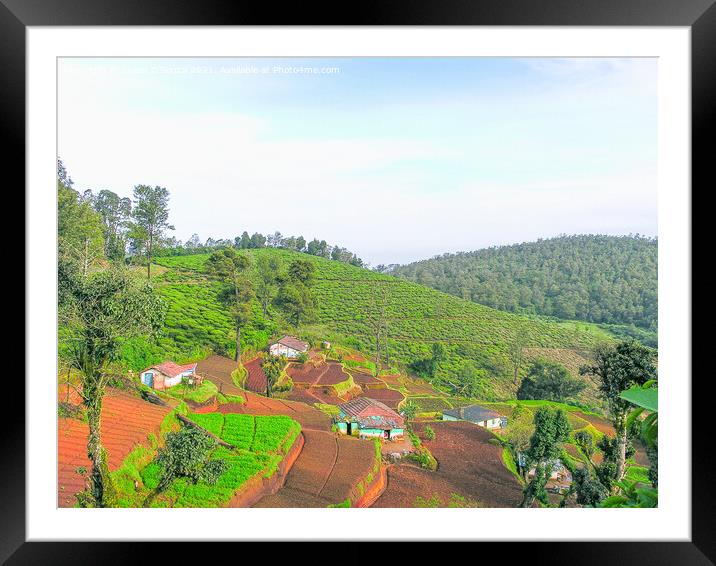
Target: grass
330,410
261,443
199,394
509,463
346,300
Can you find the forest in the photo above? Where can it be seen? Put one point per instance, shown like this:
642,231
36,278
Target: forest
595,278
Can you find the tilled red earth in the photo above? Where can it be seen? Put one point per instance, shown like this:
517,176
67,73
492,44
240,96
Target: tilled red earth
218,369
332,375
326,472
308,417
126,422
305,373
389,397
256,379
467,465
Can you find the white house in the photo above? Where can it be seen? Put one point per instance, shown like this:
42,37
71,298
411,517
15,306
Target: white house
167,374
476,414
288,346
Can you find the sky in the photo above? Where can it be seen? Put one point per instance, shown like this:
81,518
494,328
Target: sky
396,159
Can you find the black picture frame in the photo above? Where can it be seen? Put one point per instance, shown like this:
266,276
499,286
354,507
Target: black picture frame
699,15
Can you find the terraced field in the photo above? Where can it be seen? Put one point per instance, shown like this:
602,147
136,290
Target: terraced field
127,421
468,465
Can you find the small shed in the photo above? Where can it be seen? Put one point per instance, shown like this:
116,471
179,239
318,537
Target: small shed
476,414
369,418
167,374
288,346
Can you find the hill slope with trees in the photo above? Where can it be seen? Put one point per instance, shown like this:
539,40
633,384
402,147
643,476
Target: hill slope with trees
444,338
600,279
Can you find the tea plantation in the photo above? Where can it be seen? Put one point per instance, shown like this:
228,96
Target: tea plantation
348,302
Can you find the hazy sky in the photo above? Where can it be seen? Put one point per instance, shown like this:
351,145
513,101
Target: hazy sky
397,159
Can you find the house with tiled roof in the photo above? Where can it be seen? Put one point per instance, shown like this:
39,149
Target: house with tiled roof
167,374
367,418
476,414
289,346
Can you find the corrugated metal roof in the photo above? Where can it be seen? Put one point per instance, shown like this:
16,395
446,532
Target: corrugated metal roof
370,411
171,369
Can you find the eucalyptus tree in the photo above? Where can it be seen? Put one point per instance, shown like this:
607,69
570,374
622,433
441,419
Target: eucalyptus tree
151,220
231,268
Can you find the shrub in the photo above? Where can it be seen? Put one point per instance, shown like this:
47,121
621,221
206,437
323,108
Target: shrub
186,455
429,433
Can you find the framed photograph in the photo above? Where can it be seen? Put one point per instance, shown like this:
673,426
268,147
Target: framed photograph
420,276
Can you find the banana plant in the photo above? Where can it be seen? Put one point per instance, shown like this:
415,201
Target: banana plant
646,399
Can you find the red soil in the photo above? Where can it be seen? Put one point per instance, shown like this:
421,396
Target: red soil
329,466
389,397
126,422
314,395
467,465
306,373
326,472
256,380
332,375
218,369
365,379
308,417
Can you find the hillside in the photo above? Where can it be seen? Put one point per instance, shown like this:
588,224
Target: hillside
600,279
476,338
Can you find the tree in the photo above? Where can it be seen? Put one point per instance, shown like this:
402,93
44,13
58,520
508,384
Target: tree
115,212
515,352
273,367
231,268
268,268
549,381
274,240
618,368
590,492
150,215
244,242
101,311
438,355
258,240
79,227
187,454
585,441
551,430
294,295
519,432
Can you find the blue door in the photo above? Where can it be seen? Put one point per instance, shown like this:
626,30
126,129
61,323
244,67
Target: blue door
148,379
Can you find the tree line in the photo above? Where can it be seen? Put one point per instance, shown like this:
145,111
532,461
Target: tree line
595,278
316,247
95,228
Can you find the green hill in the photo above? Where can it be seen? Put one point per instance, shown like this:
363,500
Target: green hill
601,279
348,299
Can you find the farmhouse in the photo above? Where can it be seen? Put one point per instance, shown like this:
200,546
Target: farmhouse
167,374
366,418
288,346
476,414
